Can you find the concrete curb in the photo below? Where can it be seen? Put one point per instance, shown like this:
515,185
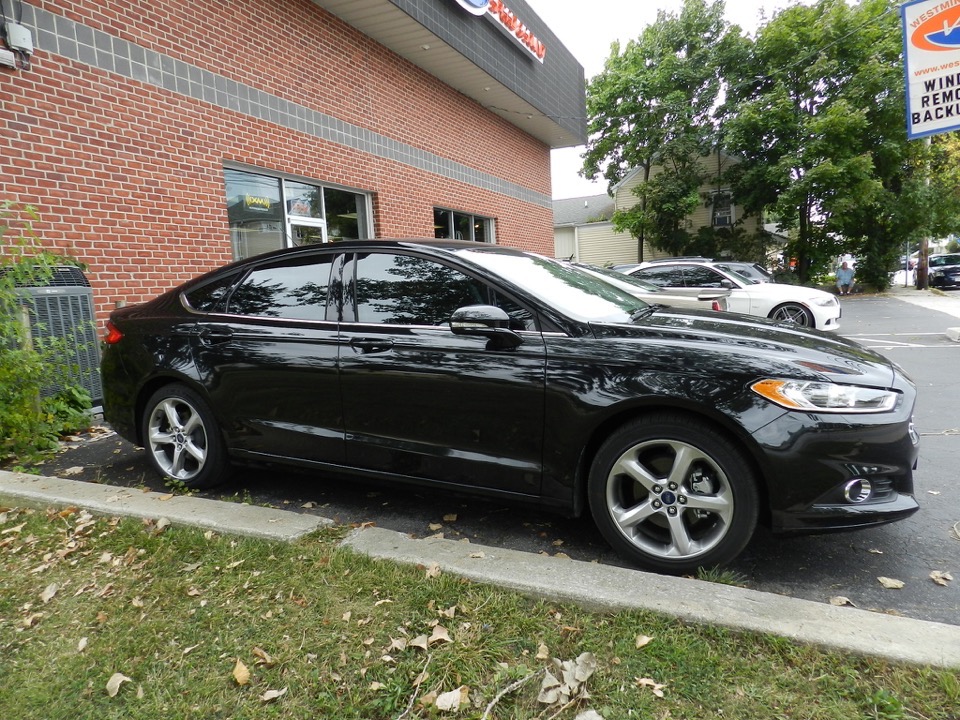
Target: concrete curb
606,588
953,334
590,585
227,517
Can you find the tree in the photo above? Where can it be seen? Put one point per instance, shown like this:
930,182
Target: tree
651,107
816,115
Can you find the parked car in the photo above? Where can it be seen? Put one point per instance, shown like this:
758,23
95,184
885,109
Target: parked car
477,368
795,304
944,270
713,299
751,271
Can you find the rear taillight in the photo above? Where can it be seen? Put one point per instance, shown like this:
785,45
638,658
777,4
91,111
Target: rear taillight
112,336
715,305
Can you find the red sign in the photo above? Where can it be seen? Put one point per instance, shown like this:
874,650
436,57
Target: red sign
507,19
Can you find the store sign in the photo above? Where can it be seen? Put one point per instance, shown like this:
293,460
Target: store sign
509,23
931,43
252,202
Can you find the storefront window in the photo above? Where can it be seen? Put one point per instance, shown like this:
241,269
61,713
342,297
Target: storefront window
255,213
307,214
461,226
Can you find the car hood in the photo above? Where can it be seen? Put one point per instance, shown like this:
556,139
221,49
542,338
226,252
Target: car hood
766,347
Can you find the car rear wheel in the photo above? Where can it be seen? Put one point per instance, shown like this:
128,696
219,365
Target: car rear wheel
794,313
672,495
182,438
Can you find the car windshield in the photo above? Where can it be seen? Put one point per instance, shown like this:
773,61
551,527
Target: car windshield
575,293
748,271
941,260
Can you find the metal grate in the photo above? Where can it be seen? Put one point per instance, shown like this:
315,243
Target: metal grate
63,309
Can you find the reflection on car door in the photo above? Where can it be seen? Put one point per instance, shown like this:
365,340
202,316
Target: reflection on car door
272,360
425,403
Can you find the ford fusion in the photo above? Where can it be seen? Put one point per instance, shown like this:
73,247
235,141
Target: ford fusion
479,368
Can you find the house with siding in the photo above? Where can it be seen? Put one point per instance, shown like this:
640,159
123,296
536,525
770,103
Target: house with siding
583,229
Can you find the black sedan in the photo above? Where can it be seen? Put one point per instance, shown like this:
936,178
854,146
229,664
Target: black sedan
478,368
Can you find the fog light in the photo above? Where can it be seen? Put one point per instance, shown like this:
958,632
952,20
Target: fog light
857,490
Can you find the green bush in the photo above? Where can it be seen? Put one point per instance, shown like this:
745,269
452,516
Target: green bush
31,423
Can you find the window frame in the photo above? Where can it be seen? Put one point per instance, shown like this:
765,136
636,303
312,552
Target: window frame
288,219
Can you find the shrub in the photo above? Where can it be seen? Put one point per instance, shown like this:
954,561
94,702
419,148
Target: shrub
29,422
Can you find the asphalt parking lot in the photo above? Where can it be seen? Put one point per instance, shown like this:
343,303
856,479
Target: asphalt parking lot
908,326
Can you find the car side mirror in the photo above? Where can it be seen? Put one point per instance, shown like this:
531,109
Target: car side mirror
486,321
728,284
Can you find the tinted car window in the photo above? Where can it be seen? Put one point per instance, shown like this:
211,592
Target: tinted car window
661,276
406,290
209,296
703,277
294,289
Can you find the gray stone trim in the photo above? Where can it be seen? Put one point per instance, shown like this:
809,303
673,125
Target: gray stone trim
70,39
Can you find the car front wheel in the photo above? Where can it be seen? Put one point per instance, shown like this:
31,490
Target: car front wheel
672,495
793,313
182,438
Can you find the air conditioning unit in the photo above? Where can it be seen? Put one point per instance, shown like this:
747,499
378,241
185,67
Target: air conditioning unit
63,309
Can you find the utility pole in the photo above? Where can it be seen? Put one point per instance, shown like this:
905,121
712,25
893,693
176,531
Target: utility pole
922,261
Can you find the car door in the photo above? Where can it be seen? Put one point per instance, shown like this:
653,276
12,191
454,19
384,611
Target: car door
269,359
422,402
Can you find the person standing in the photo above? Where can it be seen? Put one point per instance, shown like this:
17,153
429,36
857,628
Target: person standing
844,279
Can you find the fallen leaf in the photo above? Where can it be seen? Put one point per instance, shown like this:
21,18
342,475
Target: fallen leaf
262,657
643,640
377,685
433,527
82,645
240,673
933,492
439,634
840,601
543,652
652,684
876,552
347,615
162,524
75,470
273,695
309,504
114,683
420,642
434,571
452,517
451,701
164,498
891,583
941,578
49,592
478,555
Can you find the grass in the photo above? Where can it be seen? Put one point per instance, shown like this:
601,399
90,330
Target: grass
209,626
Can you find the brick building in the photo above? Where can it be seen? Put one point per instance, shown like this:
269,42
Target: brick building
160,140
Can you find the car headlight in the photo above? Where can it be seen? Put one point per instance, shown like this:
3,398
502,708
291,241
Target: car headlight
825,397
824,301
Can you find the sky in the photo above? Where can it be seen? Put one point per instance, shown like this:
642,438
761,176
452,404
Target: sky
588,28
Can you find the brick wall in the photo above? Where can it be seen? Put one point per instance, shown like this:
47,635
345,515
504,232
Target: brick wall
124,160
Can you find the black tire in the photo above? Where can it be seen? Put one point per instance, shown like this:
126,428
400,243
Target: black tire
793,313
182,439
672,495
